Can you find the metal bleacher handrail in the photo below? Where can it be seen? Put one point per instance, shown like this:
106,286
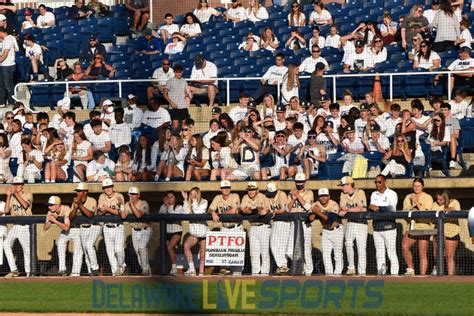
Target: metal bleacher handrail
227,80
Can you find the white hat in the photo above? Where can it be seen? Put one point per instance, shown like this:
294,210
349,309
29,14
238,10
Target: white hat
346,180
64,103
133,190
323,191
54,200
2,17
271,187
107,102
300,176
225,184
252,185
131,96
81,186
18,180
107,183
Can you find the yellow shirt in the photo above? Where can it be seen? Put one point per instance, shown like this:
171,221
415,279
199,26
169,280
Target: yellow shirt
451,225
426,204
16,209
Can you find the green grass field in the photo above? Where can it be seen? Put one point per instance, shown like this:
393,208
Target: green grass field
413,298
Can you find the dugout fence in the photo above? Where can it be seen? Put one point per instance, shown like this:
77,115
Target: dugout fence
41,243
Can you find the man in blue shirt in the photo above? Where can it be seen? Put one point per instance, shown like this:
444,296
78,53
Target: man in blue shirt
149,44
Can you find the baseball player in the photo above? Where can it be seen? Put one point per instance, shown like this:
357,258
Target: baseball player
89,232
300,200
110,204
280,233
3,231
354,200
333,231
256,203
385,231
141,231
18,203
67,233
226,203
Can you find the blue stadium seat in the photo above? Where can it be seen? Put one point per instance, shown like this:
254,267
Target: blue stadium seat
214,46
51,30
385,66
417,85
223,62
40,96
226,32
230,39
261,53
245,61
87,22
105,21
57,92
67,22
113,58
122,65
123,74
50,55
106,34
104,90
70,29
121,26
53,36
71,48
218,54
89,29
118,49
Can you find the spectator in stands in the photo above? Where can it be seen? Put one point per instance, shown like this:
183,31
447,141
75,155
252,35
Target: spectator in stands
204,12
436,103
173,159
311,155
452,124
143,163
80,91
447,28
81,154
414,23
176,93
120,132
94,47
56,168
370,32
392,121
176,45
256,12
457,7
80,11
239,112
100,168
14,131
28,23
100,9
377,141
98,69
203,79
377,51
197,159
169,28
426,58
464,62
417,201
99,139
397,158
107,112
191,26
320,15
63,71
316,39
5,153
214,129
141,14
459,104
7,25
421,121
352,144
296,40
162,75
268,39
30,162
124,166
236,13
34,53
45,19
430,13
247,145
290,84
132,113
7,67
154,119
388,29
149,44
465,38
296,16
360,60
416,46
250,44
333,39
347,102
439,136
271,78
269,107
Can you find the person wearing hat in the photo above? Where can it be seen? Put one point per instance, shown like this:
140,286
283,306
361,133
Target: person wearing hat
236,13
300,201
360,60
141,231
45,18
312,154
430,13
361,123
18,203
140,11
461,80
7,66
203,79
28,23
176,93
326,210
68,233
226,203
107,112
111,204
83,204
354,200
254,203
94,47
149,44
80,11
280,151
271,78
377,141
100,168
162,75
132,113
318,84
250,44
280,121
329,138
324,102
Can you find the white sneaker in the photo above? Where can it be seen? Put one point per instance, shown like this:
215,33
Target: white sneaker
382,270
174,271
167,179
351,271
410,272
434,271
2,105
190,272
157,177
453,165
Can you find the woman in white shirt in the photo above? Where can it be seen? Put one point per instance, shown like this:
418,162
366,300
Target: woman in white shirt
172,159
197,159
173,229
5,152
30,162
81,154
316,38
250,44
204,12
256,12
268,39
191,26
176,45
426,58
440,136
296,40
15,145
269,108
320,16
195,204
378,53
290,85
296,17
142,162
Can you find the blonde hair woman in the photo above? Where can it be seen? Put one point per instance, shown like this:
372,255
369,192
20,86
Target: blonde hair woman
291,84
256,12
269,108
397,157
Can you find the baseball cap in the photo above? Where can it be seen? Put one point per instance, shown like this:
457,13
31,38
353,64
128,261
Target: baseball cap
324,98
18,180
133,190
271,187
359,43
300,177
107,183
199,61
349,129
28,12
92,37
280,108
107,102
216,110
464,49
147,32
329,123
435,2
64,103
346,180
252,185
252,105
225,184
2,17
323,191
319,66
364,106
131,96
81,186
54,200
375,128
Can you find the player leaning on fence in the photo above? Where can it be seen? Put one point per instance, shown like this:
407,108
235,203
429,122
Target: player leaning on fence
18,203
254,203
226,203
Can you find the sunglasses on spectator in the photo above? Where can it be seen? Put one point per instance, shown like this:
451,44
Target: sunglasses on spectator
423,45
185,129
316,51
311,137
98,57
414,40
295,6
9,117
437,120
378,41
280,135
166,64
378,182
359,46
419,10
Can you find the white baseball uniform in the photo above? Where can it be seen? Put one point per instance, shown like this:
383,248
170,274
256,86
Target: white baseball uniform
88,235
114,234
332,239
259,235
3,231
280,230
356,230
385,232
141,234
20,232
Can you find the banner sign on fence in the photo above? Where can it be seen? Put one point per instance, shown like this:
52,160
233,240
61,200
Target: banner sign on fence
225,248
